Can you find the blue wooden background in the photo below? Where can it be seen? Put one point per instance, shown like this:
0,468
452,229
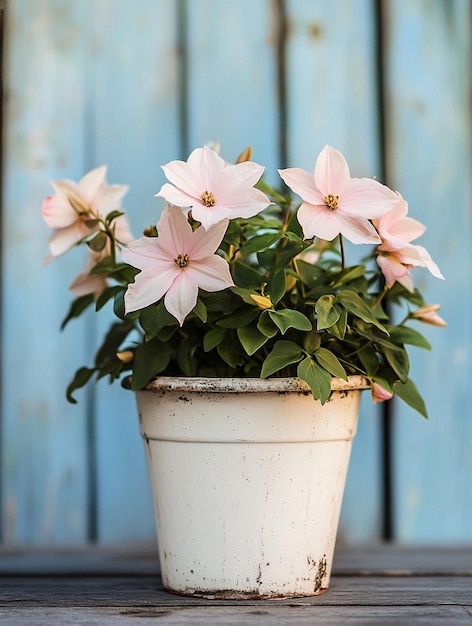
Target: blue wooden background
136,84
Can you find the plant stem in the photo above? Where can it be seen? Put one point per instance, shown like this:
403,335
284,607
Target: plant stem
341,246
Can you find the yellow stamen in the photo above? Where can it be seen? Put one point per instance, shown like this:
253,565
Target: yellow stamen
331,201
208,198
182,260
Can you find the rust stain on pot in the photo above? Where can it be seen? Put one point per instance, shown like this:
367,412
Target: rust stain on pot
320,575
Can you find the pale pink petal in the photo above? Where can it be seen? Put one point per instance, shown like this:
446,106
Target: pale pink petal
211,274
303,184
318,221
357,229
367,197
86,283
204,242
57,211
394,271
177,197
146,252
195,175
419,257
182,296
91,183
397,230
123,232
249,204
149,286
63,239
109,198
175,233
233,177
66,187
331,172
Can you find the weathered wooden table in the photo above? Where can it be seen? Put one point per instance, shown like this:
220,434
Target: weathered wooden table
370,585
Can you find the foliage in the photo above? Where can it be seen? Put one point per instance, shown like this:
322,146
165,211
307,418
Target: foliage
294,307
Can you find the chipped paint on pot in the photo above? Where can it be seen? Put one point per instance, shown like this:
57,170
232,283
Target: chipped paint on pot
247,477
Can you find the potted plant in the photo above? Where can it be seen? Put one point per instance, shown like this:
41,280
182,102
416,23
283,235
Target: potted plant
247,337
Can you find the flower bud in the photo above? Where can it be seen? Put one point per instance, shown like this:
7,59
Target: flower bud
263,302
428,315
380,394
245,155
126,356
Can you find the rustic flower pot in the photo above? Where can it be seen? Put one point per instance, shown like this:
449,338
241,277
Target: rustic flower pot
247,478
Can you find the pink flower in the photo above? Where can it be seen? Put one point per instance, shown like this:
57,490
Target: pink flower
334,203
75,204
396,265
214,190
380,394
397,255
394,270
176,264
428,315
396,229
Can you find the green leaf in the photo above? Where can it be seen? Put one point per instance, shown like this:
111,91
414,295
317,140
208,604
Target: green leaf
349,274
77,307
150,358
229,351
113,215
369,359
154,318
404,334
251,338
240,318
107,294
288,318
186,359
266,325
91,224
98,242
276,287
330,362
200,311
212,338
312,341
355,305
115,336
408,392
328,313
259,243
81,378
105,266
246,276
317,378
339,329
283,353
398,360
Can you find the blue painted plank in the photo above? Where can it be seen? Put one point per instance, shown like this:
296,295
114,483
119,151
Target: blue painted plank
429,69
44,469
232,91
332,99
135,112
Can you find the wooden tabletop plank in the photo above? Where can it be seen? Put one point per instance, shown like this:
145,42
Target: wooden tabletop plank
57,591
375,584
376,559
239,616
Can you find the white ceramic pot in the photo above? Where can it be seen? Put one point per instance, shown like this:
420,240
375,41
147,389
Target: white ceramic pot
247,477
